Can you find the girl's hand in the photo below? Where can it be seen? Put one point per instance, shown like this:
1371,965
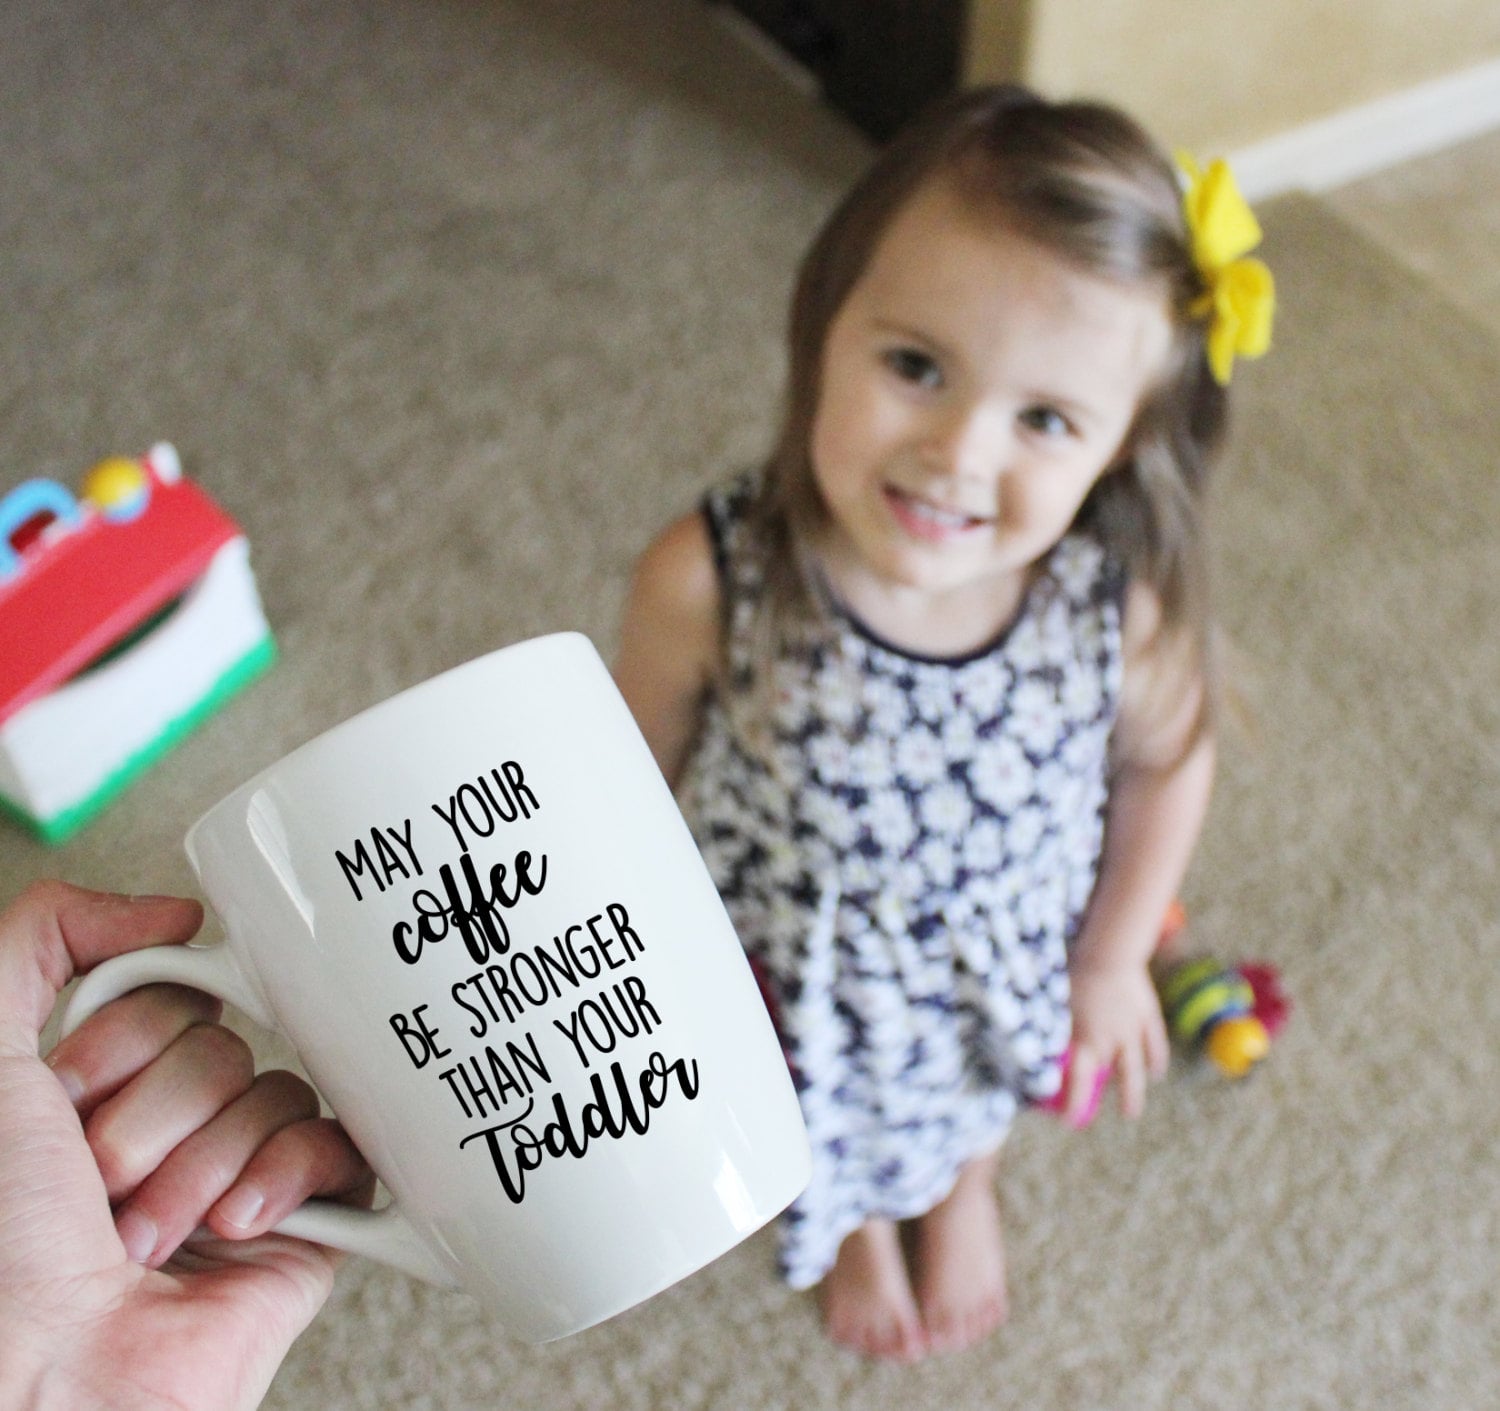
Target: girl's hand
1118,1028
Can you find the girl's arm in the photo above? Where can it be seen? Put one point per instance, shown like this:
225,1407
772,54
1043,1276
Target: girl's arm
1158,798
669,640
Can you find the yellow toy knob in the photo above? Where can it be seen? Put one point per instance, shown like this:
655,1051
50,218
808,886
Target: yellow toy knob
1235,1046
118,487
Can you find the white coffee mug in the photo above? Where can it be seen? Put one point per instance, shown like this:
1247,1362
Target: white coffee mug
478,916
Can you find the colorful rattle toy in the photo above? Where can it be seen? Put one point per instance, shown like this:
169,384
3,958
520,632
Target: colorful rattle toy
1227,1013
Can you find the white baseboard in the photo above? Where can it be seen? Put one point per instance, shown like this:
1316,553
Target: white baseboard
1366,139
1315,157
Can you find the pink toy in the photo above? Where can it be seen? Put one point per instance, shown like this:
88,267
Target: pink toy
1059,1100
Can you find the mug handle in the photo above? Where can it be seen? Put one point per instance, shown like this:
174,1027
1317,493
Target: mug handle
385,1235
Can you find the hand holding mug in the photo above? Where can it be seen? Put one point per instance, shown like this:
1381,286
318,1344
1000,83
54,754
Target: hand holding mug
479,917
83,1323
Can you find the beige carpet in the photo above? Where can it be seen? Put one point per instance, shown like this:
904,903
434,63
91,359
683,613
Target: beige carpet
452,302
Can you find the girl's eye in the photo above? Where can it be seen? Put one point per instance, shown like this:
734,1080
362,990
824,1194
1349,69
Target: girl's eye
1047,420
914,366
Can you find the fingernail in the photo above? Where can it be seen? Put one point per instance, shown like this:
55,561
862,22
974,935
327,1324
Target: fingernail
72,1084
240,1207
137,1233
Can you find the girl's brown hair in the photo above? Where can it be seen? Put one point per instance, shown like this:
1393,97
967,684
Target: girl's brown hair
1085,181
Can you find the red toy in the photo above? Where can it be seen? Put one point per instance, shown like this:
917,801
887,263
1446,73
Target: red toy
125,618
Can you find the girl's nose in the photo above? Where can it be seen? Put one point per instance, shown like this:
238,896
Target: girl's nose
969,442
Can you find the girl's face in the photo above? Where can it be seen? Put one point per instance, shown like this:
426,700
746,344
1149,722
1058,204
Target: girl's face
974,388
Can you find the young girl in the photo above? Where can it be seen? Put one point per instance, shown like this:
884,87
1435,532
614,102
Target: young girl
937,685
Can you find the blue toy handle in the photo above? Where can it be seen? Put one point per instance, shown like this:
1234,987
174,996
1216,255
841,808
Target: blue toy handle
29,499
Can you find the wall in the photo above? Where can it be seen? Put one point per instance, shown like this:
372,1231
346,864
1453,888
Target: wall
1218,75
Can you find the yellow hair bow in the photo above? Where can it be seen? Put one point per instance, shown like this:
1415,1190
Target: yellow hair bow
1240,301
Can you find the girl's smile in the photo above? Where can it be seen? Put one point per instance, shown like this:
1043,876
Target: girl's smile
974,388
929,522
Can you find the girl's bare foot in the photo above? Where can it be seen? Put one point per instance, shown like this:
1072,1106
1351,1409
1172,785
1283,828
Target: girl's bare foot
867,1299
961,1262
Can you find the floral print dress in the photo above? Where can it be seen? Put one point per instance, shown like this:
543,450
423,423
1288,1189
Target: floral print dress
906,849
